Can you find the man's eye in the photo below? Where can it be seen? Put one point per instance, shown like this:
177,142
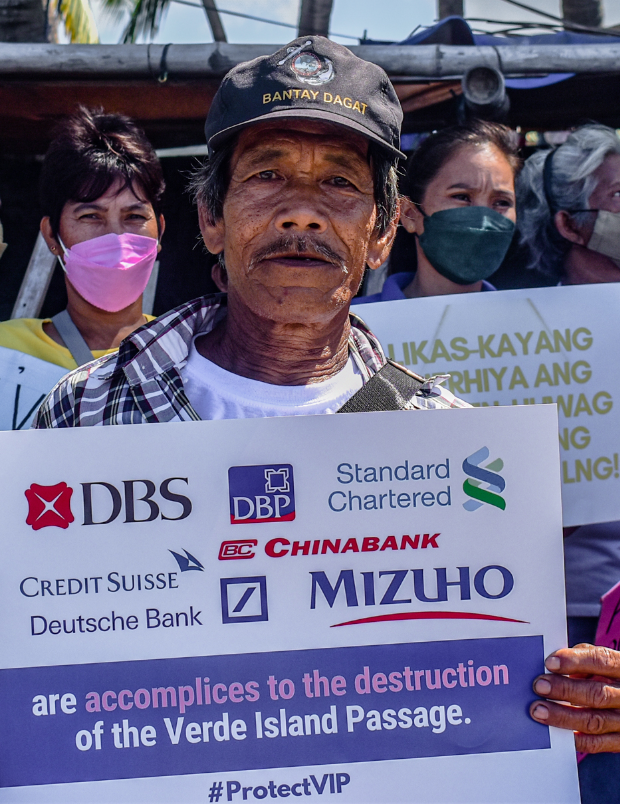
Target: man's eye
340,181
267,174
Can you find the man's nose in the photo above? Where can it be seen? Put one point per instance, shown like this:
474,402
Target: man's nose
300,217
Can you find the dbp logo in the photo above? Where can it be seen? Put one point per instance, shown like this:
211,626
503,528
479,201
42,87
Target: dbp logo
487,474
261,493
49,506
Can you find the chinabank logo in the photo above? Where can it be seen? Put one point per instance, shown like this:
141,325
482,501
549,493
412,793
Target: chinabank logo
489,494
261,493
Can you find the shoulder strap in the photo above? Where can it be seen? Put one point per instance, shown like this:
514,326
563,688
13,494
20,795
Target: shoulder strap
391,388
72,337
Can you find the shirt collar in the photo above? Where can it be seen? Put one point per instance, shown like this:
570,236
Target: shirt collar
164,344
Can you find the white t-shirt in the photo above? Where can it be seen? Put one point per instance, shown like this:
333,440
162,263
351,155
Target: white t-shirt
219,394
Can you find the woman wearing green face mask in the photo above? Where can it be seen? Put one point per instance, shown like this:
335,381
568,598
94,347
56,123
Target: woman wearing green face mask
458,213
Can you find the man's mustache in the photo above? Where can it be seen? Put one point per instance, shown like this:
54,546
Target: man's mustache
298,244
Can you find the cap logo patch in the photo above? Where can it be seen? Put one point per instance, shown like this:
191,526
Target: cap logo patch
310,69
307,66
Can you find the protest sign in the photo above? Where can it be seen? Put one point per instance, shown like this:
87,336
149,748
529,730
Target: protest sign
523,347
308,606
25,381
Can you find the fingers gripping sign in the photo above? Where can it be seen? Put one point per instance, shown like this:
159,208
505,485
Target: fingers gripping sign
586,679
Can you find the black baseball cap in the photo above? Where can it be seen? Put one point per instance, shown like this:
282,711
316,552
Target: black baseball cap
310,78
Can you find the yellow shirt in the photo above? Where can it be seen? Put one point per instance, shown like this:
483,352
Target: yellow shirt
27,335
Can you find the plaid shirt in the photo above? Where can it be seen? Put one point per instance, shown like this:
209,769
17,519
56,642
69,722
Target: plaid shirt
142,382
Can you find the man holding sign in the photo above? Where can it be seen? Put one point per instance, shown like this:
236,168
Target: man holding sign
298,195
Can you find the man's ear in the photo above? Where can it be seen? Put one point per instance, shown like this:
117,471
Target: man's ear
380,245
212,233
219,276
46,230
566,226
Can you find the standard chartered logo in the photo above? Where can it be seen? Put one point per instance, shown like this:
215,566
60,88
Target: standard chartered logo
478,475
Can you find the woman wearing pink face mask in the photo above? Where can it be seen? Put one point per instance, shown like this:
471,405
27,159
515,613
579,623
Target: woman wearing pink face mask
101,190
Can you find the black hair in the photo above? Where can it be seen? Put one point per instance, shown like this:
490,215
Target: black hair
428,159
90,151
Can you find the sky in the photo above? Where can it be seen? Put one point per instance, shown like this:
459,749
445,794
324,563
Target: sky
183,24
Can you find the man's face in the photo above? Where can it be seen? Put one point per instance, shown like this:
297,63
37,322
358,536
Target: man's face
298,224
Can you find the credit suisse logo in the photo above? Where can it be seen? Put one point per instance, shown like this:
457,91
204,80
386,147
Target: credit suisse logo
102,502
264,493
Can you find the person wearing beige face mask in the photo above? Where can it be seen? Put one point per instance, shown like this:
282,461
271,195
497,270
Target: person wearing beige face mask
568,213
568,208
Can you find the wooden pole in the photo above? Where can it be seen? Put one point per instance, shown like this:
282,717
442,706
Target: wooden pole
22,21
215,21
583,12
314,17
450,8
36,281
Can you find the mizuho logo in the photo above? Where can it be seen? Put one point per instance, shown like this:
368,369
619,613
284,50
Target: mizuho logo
483,474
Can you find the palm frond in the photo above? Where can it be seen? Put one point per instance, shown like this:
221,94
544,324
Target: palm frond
79,21
145,18
116,6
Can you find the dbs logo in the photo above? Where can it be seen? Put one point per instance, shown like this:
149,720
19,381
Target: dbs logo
49,506
102,503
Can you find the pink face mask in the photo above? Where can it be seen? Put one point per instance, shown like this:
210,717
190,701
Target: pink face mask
110,271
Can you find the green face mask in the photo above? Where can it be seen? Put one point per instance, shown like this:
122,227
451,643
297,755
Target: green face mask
466,244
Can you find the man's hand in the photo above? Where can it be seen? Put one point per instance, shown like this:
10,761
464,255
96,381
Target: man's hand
587,679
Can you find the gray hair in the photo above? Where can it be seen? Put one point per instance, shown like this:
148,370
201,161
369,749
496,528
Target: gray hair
572,183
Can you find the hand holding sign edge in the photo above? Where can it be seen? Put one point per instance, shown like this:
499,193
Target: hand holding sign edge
586,679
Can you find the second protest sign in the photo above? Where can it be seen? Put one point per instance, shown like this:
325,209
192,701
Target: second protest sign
526,347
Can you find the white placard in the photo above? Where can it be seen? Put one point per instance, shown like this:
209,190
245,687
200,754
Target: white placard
523,347
25,381
349,606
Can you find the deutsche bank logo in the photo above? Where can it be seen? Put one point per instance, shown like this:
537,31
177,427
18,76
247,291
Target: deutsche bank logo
261,493
244,600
